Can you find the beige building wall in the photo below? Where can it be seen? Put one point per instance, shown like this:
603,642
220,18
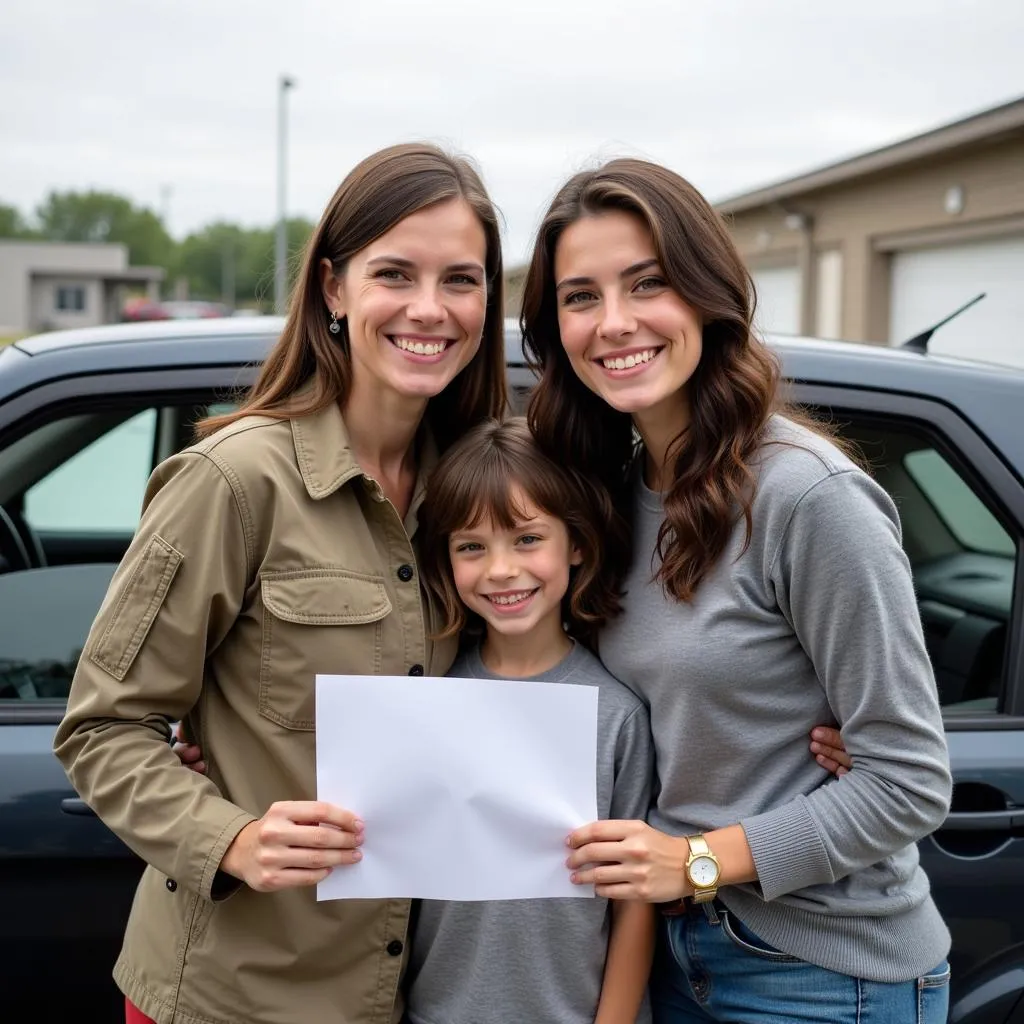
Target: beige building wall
842,237
31,273
20,299
515,277
46,315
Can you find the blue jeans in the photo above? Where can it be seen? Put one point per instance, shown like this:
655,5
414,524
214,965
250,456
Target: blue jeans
711,967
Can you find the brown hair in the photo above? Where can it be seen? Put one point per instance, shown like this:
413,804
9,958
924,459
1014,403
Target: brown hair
377,193
475,479
732,392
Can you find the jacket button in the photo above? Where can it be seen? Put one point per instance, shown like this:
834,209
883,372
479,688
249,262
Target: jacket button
416,670
395,948
171,884
405,573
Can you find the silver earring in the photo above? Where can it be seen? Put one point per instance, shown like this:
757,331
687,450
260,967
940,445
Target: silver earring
334,327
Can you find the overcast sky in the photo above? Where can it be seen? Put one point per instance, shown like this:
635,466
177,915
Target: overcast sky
173,102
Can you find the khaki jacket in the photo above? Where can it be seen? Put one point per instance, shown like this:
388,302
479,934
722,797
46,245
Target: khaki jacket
264,556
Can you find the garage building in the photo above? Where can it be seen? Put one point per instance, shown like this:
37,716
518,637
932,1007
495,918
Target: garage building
880,247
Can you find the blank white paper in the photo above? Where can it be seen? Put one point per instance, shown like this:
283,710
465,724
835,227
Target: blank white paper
468,787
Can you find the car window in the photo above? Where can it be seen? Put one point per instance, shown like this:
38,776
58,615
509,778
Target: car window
71,493
962,557
973,525
38,653
100,488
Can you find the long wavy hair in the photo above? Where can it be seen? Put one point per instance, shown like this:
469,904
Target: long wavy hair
732,393
378,192
482,476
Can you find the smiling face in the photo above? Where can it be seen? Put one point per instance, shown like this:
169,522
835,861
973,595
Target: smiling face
630,338
515,578
414,300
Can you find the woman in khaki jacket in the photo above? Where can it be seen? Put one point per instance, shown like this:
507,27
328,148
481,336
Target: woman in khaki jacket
279,546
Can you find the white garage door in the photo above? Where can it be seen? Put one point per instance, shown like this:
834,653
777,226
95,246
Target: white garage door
929,284
778,299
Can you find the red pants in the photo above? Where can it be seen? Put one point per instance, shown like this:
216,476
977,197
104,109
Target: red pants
134,1016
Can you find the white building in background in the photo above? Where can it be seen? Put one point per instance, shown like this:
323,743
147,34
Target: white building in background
50,285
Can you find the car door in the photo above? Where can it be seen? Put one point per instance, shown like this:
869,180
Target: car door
72,476
962,513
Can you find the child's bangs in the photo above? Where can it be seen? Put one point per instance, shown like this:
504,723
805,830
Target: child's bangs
493,492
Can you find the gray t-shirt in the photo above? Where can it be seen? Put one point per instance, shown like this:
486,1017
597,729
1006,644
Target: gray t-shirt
540,961
815,621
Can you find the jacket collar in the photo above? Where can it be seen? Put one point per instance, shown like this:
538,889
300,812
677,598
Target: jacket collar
326,460
323,452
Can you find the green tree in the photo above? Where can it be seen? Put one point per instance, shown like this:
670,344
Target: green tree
12,224
225,262
208,259
106,217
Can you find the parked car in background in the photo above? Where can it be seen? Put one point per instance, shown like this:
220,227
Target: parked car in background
86,415
194,309
141,309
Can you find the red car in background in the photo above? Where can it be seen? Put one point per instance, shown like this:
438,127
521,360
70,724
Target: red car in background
139,309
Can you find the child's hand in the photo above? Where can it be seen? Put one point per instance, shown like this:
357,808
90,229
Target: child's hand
829,751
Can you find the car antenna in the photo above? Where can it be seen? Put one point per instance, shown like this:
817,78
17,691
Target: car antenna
919,343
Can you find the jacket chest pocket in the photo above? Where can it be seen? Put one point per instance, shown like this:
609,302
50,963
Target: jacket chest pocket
316,621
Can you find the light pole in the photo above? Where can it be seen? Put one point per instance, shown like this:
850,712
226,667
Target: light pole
284,83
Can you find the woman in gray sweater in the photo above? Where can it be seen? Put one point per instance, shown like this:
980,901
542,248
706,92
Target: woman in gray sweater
766,590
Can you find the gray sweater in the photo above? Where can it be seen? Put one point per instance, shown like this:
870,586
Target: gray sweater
816,621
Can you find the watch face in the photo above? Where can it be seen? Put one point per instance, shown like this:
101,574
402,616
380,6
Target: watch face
703,871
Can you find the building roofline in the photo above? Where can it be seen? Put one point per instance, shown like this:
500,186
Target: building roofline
54,242
985,126
126,274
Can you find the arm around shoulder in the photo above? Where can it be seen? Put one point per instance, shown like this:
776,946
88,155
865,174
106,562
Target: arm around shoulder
172,600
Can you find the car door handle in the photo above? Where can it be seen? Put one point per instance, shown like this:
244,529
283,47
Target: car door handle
76,805
984,821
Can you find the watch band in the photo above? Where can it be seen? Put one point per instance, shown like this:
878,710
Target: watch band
699,847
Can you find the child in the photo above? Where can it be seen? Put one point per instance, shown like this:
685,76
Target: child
511,553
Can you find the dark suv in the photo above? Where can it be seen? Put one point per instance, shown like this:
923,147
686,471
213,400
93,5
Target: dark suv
86,415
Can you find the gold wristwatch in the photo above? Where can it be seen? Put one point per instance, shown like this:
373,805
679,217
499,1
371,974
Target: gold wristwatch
702,870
